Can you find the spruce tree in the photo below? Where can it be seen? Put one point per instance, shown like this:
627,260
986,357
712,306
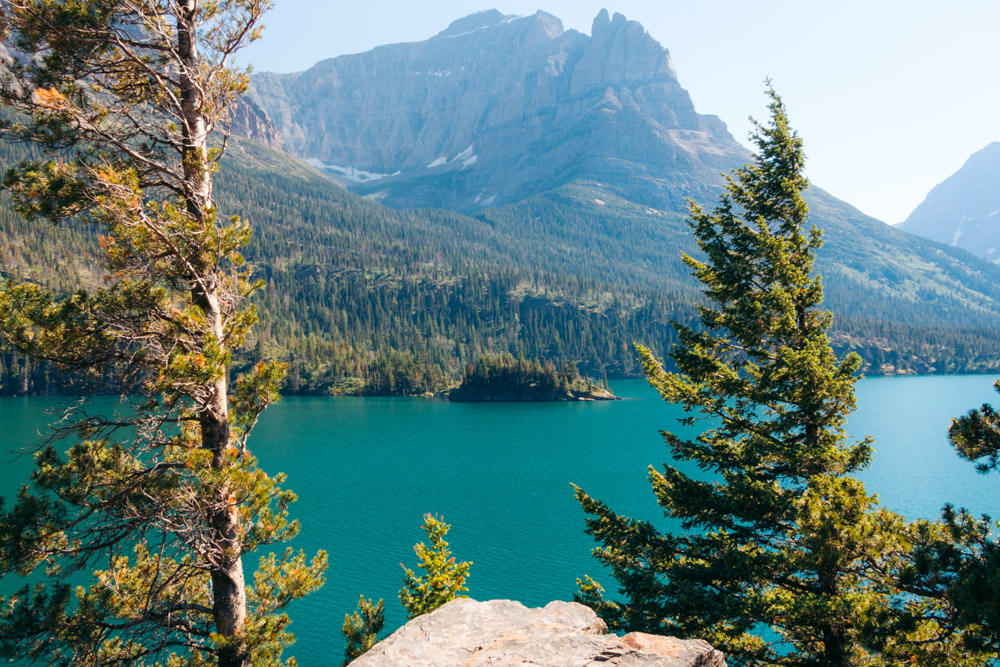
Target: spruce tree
968,572
159,497
956,561
780,556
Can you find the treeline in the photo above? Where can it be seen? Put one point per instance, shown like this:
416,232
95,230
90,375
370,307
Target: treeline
419,335
504,377
363,299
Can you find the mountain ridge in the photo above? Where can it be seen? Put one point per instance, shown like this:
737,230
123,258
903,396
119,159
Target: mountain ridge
364,298
604,117
474,118
964,210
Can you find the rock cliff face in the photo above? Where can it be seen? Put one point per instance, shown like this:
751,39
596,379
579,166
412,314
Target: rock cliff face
497,108
250,121
964,210
505,633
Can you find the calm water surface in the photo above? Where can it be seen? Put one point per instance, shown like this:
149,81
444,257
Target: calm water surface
366,470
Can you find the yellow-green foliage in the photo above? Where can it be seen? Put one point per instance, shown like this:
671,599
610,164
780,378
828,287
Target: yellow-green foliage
160,494
443,579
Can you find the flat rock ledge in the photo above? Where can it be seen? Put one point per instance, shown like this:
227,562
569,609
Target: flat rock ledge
503,632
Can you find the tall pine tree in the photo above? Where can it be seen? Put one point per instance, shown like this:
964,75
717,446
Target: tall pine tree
160,497
782,555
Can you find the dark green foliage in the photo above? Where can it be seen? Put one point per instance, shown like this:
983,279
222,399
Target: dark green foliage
504,378
359,298
361,628
774,534
956,564
976,436
957,560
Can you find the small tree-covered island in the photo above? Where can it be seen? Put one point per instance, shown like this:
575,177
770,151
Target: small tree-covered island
149,534
504,378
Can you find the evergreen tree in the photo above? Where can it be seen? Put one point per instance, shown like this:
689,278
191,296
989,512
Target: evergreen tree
361,628
160,497
976,436
443,579
776,533
957,561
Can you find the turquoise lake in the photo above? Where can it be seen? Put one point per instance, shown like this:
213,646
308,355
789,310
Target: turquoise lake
367,469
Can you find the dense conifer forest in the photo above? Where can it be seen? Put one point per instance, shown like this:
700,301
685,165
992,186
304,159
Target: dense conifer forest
503,377
364,299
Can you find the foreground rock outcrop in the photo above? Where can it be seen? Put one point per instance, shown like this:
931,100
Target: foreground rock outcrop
503,632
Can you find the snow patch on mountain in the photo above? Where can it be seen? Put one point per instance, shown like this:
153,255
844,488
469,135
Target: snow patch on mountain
509,18
959,231
350,173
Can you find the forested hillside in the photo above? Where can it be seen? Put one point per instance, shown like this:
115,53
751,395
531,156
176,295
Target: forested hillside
362,298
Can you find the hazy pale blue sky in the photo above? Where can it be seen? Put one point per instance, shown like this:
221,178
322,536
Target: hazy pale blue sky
890,96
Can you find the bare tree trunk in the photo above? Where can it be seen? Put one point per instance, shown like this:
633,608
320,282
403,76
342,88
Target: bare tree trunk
228,582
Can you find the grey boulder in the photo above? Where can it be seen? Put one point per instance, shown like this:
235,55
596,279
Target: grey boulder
503,632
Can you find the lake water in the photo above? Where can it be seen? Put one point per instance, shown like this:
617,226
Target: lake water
367,469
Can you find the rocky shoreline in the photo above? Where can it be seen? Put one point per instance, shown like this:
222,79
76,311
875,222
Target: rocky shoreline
529,396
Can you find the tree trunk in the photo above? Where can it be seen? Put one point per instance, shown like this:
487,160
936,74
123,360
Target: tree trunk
835,649
228,583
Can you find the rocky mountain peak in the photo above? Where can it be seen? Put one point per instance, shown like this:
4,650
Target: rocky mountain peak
619,51
988,157
603,22
252,122
547,25
496,108
964,209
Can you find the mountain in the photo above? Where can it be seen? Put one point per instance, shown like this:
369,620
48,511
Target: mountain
964,210
587,146
497,108
579,257
251,122
363,298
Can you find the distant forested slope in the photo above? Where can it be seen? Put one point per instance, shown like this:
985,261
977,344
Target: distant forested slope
363,298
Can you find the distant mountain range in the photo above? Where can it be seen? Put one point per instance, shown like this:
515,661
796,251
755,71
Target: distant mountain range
964,210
